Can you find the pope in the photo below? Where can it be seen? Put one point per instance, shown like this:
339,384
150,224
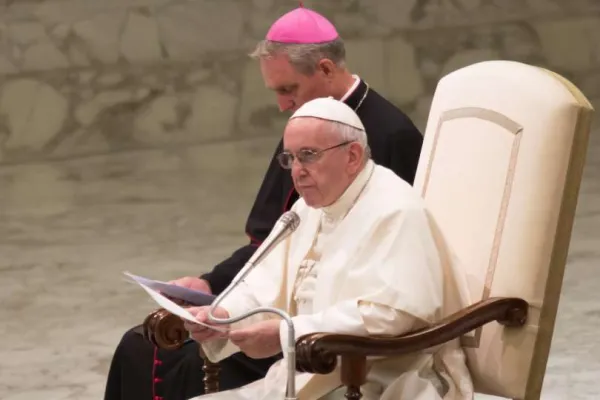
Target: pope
363,261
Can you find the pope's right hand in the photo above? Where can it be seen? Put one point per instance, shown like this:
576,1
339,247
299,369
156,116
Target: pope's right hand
194,283
201,333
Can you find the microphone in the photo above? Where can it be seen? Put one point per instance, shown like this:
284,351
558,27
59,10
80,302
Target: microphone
285,225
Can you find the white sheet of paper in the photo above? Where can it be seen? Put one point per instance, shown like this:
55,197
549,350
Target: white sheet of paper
191,296
177,310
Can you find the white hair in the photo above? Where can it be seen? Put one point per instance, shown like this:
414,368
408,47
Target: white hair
351,134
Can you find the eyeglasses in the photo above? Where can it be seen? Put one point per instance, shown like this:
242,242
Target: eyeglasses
305,156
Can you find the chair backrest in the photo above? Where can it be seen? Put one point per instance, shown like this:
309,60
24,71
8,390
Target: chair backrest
500,171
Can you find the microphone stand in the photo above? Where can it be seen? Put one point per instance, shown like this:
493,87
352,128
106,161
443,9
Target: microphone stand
288,223
291,345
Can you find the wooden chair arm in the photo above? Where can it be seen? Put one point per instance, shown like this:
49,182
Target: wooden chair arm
318,352
164,330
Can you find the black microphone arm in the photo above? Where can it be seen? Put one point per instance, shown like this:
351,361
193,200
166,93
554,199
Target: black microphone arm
284,227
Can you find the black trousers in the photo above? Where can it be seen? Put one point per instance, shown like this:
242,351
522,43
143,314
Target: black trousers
140,371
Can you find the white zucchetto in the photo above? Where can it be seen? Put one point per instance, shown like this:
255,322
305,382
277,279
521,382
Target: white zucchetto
329,109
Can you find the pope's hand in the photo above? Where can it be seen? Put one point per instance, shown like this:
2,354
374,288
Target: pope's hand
191,282
260,340
201,333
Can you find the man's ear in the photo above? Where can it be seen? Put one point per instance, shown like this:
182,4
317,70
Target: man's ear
355,156
326,67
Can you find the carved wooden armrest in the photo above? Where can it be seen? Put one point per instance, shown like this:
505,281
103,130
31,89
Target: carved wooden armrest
318,352
166,331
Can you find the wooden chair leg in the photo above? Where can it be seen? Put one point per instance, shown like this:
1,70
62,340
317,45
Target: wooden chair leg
211,376
354,375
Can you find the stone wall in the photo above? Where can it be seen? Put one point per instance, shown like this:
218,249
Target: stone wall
81,77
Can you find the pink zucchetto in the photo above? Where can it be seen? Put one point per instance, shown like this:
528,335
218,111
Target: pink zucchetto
302,26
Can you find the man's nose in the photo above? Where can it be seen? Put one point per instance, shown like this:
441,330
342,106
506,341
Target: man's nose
285,103
298,169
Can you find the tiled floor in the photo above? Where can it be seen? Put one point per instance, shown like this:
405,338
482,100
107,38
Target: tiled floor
69,229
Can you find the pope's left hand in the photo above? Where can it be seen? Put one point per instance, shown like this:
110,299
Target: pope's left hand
260,340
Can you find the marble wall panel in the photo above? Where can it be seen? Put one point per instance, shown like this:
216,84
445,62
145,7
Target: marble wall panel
64,113
81,77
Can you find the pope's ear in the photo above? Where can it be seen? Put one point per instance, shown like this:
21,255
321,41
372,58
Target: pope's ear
356,154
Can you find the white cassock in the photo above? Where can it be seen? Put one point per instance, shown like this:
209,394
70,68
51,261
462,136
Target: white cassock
366,265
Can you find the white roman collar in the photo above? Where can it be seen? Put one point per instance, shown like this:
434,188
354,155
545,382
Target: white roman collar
352,88
339,208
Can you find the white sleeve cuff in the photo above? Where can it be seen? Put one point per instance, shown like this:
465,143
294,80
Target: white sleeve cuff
218,349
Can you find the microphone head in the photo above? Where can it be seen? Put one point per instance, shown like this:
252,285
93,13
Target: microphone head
290,220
